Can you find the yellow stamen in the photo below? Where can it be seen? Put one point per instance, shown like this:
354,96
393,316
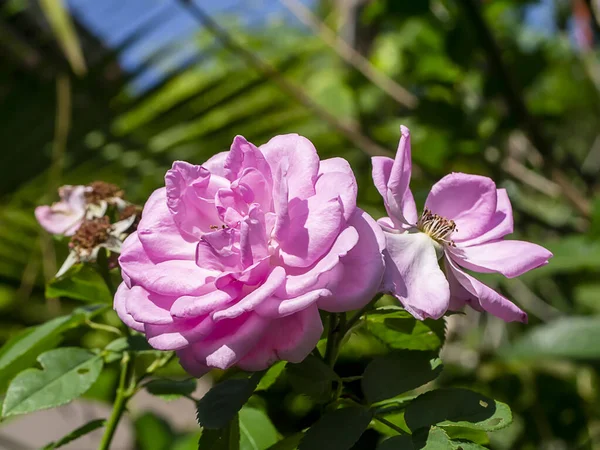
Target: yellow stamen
437,227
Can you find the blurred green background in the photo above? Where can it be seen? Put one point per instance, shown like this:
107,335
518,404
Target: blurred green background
118,90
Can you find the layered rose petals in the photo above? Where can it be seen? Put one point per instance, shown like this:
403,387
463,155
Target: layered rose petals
233,259
464,224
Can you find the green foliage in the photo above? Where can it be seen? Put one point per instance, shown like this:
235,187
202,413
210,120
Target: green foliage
223,401
573,338
397,443
66,374
392,375
337,430
256,430
460,407
21,351
312,377
399,330
226,438
80,283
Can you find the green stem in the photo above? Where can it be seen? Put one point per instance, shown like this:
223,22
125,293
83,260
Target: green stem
330,350
390,424
123,395
356,317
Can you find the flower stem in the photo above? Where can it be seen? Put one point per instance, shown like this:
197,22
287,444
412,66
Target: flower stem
390,424
123,395
356,317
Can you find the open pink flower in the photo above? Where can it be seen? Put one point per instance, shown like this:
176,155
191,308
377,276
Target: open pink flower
463,224
64,217
232,260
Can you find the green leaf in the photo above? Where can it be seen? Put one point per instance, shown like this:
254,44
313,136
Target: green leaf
397,443
152,432
60,21
223,401
271,376
337,430
435,439
459,407
312,377
256,430
21,351
66,374
81,283
226,438
133,343
391,375
76,434
289,443
171,389
397,329
568,337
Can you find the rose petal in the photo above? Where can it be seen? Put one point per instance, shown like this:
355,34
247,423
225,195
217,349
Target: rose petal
392,179
510,258
230,342
148,307
469,200
275,307
301,159
243,155
187,307
171,277
254,298
413,275
158,232
190,197
363,267
336,179
180,333
314,226
291,338
119,306
488,299
500,225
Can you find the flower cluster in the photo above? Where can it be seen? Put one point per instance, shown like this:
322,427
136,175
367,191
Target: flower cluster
93,216
233,259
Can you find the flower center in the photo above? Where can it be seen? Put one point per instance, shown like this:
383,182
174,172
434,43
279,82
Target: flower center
437,227
99,190
90,234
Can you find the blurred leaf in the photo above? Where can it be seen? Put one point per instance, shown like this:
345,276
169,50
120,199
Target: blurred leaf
226,438
81,283
460,407
60,21
469,434
256,430
571,254
289,443
171,389
391,375
21,351
66,374
399,330
397,443
76,434
311,377
223,401
153,432
271,376
595,222
337,430
568,337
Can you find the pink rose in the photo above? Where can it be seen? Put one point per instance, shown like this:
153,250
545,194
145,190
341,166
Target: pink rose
464,223
233,259
65,216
